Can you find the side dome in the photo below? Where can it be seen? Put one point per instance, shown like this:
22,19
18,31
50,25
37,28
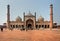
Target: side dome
18,19
40,19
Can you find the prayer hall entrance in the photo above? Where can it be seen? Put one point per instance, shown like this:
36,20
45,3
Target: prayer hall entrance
29,24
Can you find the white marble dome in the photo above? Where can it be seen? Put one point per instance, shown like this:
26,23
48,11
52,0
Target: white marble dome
40,18
18,19
29,14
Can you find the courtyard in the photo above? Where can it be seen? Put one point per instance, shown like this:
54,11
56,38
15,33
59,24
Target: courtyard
30,35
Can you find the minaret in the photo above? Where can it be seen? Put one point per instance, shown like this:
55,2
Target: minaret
35,20
24,20
51,16
24,16
8,16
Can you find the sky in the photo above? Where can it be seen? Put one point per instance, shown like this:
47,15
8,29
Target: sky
41,7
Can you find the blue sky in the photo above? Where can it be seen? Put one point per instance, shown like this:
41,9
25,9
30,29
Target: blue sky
41,7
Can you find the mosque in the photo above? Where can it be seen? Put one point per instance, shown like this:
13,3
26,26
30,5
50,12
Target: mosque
29,21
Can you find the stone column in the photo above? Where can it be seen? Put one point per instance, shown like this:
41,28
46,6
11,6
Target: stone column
51,16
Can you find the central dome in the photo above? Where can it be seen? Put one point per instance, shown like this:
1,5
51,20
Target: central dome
29,14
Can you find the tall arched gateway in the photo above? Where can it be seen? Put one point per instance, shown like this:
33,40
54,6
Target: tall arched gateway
29,24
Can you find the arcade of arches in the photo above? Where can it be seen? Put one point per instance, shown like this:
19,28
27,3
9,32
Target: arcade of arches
30,26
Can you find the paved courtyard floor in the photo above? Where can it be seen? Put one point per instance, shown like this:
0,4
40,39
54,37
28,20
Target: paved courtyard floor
30,35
